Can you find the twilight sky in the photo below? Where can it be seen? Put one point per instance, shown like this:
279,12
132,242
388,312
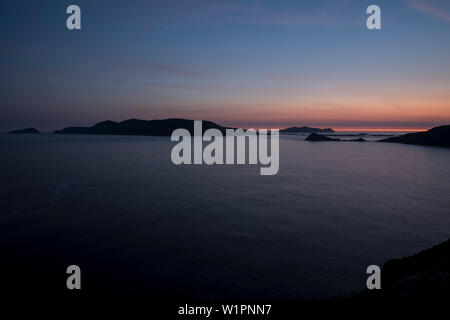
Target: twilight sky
242,63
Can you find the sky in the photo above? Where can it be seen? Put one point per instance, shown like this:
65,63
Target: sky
260,64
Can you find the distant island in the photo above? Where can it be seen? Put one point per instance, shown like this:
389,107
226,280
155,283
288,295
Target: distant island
141,127
306,130
319,137
27,130
162,128
438,136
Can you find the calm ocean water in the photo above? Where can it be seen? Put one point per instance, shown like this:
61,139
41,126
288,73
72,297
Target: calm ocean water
137,224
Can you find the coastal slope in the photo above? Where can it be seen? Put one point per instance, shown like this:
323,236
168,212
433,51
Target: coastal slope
423,275
438,136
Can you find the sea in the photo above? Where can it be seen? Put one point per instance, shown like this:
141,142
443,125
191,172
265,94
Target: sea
139,226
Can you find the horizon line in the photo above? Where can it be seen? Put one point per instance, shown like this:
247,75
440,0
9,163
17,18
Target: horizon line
347,128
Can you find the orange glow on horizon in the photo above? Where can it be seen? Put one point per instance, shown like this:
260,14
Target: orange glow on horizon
338,129
381,129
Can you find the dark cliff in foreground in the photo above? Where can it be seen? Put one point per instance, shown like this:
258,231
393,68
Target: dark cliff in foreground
438,136
140,127
424,276
306,130
27,130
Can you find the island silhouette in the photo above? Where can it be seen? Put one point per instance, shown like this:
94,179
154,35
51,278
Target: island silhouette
27,130
437,136
306,130
163,127
141,127
318,137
